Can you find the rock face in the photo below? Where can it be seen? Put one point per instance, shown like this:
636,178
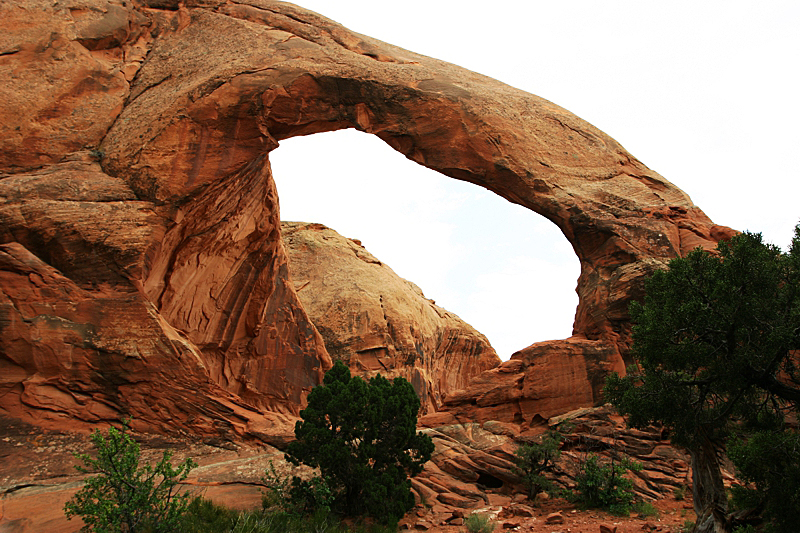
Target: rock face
141,267
113,303
537,383
377,322
471,461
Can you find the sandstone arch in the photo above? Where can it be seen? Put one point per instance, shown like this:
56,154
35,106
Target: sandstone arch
220,337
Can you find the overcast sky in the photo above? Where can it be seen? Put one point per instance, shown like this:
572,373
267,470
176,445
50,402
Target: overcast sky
705,93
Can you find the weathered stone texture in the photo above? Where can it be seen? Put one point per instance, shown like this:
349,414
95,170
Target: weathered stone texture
377,322
143,269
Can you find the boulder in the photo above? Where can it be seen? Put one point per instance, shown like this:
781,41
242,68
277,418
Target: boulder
548,379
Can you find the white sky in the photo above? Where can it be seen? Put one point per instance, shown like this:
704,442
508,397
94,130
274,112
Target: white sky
703,92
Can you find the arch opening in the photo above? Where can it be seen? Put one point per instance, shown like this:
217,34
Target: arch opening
504,269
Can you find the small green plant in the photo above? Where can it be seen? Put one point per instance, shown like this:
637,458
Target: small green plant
310,496
645,510
276,489
604,486
204,516
680,493
125,497
688,526
533,460
280,522
479,523
298,497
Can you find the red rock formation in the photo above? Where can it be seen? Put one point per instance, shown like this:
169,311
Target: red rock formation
155,284
177,314
537,383
471,457
377,322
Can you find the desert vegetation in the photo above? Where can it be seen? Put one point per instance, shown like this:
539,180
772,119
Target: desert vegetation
359,436
716,342
125,495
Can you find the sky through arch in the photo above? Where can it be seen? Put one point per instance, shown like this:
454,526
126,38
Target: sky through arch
502,268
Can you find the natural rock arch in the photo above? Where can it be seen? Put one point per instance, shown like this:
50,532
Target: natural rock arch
308,74
221,338
505,269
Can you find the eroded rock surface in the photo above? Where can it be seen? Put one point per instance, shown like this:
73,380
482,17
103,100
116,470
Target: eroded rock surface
377,322
142,267
472,466
178,314
544,380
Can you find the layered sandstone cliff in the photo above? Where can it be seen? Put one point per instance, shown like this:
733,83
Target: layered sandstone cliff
377,322
141,267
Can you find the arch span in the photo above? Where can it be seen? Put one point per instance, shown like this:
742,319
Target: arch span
189,321
281,71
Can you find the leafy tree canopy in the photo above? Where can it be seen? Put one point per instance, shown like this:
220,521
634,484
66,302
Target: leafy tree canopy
716,343
362,436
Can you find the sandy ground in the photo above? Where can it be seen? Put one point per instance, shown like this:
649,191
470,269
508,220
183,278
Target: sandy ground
672,516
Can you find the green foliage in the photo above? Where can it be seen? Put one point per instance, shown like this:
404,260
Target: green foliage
533,460
711,338
604,486
362,437
714,342
770,462
645,510
124,496
296,497
479,523
309,496
680,493
204,516
276,489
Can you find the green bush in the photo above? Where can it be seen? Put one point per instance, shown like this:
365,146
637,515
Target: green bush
362,437
204,516
715,344
123,496
276,489
769,461
279,522
479,523
533,460
604,486
645,510
309,496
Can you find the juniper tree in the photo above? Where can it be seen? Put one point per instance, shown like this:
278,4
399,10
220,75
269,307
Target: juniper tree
362,436
716,342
